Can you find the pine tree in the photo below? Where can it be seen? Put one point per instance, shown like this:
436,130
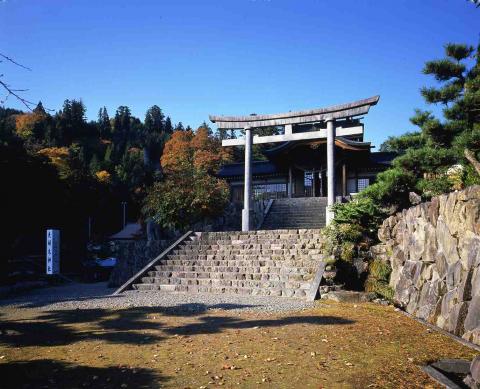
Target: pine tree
103,123
154,120
39,110
154,136
121,132
168,125
94,164
179,127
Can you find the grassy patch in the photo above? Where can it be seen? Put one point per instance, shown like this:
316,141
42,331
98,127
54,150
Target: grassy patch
332,345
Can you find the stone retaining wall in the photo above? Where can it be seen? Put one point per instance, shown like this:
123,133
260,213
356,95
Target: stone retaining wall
132,256
434,251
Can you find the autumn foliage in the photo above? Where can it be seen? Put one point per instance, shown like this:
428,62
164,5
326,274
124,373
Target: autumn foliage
27,124
103,176
58,156
190,191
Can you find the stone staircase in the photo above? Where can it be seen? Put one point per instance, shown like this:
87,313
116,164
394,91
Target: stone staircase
270,263
306,212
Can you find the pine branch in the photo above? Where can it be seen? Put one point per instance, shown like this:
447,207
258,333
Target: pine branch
472,159
444,69
458,51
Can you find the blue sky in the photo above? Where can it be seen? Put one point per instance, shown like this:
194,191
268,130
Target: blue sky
198,57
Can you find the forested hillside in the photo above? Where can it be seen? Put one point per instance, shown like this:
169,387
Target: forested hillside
58,170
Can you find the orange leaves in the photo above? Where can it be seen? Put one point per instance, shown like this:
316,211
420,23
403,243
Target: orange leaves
58,156
103,176
25,123
199,150
177,152
189,192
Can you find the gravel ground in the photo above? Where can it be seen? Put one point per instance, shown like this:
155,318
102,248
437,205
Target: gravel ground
98,295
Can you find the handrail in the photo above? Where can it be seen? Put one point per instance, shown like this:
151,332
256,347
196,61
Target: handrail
313,291
132,279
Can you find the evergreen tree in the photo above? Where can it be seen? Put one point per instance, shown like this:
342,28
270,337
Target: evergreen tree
39,109
94,165
71,123
154,120
179,127
103,123
168,125
121,132
154,136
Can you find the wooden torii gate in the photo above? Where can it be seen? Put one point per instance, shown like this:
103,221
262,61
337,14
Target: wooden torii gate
329,115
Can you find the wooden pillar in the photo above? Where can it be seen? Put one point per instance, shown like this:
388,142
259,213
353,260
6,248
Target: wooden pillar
344,179
290,183
313,184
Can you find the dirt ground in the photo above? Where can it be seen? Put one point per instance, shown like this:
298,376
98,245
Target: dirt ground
333,345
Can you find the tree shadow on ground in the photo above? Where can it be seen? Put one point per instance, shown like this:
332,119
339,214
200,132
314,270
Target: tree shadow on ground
43,301
215,324
142,325
56,328
47,373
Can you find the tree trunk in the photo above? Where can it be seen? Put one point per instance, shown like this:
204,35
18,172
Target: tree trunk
470,155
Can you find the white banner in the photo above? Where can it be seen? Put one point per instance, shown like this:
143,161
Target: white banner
53,251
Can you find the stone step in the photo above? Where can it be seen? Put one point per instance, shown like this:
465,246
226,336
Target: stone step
238,263
274,225
290,284
234,270
249,274
210,253
276,256
201,245
262,238
280,262
254,234
297,293
166,287
313,216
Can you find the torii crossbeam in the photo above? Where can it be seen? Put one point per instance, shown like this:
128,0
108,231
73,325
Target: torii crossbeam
328,115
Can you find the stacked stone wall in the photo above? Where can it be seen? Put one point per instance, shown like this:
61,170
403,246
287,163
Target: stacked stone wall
434,251
132,256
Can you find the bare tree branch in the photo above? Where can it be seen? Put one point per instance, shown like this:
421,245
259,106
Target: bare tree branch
14,62
12,91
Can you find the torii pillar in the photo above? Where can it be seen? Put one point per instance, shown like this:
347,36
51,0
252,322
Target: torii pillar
247,191
330,169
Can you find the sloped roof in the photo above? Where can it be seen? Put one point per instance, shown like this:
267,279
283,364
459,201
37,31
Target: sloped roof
238,169
383,157
339,141
130,231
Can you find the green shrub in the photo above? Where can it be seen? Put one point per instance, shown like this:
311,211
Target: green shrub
392,188
378,278
471,176
356,217
380,270
380,288
434,186
347,252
